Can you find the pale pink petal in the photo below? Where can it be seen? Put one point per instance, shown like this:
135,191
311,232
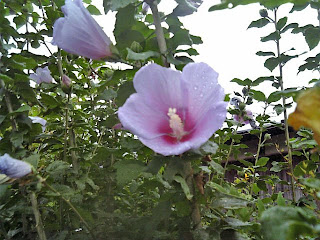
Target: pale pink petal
41,75
201,84
210,122
160,87
35,78
13,168
141,119
163,147
78,33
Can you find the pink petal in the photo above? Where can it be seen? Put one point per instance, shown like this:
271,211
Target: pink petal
160,87
161,146
78,33
141,119
201,83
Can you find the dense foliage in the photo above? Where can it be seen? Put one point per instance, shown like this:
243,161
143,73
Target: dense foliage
92,179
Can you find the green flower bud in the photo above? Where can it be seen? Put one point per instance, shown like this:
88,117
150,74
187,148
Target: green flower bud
263,13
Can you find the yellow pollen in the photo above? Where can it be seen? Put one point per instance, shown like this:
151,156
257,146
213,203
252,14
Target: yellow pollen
176,124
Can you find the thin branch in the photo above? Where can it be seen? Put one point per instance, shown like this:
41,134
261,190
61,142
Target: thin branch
159,32
285,113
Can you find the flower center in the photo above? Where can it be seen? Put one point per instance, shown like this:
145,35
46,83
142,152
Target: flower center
176,124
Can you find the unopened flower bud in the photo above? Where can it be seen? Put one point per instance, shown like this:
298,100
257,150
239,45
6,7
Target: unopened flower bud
263,13
136,47
66,84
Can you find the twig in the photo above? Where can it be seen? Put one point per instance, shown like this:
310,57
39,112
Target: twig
159,32
37,215
285,113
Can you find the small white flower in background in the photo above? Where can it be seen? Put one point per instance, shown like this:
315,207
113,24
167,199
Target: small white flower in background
13,168
41,75
40,121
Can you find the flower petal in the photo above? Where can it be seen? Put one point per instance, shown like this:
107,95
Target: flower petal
203,90
210,122
78,33
161,146
13,168
141,119
160,87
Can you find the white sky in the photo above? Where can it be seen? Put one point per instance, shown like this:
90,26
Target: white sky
230,48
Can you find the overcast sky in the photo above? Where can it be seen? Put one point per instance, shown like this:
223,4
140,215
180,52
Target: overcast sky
230,48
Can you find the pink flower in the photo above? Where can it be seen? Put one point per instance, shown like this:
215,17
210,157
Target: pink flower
172,111
13,168
78,33
41,75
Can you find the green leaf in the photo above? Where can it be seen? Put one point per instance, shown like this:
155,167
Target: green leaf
93,10
107,95
141,56
114,5
280,200
156,164
312,36
281,23
246,82
271,63
127,170
23,63
262,161
217,167
33,160
259,23
124,92
274,97
209,147
260,53
287,223
2,117
19,21
258,95
184,186
275,36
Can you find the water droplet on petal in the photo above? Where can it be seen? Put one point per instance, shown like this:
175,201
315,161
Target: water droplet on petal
195,88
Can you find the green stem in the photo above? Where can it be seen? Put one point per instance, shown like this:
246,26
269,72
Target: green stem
229,154
256,159
159,32
195,214
9,105
72,207
37,215
285,115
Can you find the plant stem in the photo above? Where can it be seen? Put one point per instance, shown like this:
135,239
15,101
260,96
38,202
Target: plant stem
37,215
229,154
195,214
159,32
9,105
72,207
285,113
